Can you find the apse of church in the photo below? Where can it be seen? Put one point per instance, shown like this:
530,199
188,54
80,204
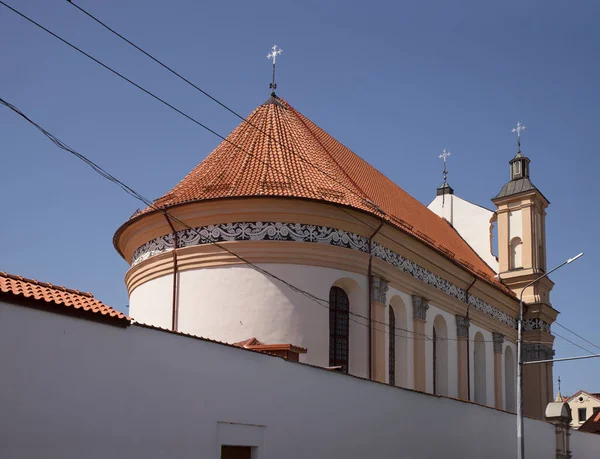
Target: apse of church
290,237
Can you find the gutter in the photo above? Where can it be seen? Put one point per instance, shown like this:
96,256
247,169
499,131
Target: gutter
370,289
175,308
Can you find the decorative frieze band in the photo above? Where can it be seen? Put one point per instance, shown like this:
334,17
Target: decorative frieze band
300,232
536,324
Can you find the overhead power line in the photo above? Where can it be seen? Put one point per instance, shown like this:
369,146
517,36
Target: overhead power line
573,343
367,202
148,202
578,336
108,176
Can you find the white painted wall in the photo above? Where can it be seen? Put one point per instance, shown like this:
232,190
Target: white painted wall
408,380
234,303
512,381
515,224
452,350
76,389
471,221
489,362
585,445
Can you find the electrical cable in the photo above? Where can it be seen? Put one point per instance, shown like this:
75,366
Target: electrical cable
147,201
579,336
573,343
102,172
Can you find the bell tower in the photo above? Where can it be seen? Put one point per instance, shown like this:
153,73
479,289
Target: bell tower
521,216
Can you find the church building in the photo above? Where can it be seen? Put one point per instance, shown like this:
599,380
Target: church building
284,235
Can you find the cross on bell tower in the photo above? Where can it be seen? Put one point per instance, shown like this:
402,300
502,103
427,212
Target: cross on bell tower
275,51
519,165
444,188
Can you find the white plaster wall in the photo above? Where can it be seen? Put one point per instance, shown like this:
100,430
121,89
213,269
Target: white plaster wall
489,363
585,445
152,302
471,221
515,224
513,347
452,350
234,303
76,389
409,365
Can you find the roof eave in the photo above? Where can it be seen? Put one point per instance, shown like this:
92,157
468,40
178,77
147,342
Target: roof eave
375,214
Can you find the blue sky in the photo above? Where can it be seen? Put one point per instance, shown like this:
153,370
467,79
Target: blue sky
394,81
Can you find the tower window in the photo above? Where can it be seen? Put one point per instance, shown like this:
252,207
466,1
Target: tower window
517,168
339,322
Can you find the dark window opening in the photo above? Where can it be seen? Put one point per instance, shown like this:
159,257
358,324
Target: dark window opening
339,328
582,413
236,452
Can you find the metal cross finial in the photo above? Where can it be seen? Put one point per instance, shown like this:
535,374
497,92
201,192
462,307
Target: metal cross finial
518,130
273,55
559,384
444,156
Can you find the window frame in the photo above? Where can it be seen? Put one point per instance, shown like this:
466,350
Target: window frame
579,410
339,329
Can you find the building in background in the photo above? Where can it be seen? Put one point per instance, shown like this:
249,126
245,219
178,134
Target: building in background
584,405
381,286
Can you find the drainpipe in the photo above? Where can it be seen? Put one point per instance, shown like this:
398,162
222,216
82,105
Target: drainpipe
469,342
174,315
370,288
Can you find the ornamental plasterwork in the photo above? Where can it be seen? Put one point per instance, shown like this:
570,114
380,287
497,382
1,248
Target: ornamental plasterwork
462,326
498,342
535,351
420,307
379,288
536,324
583,398
299,232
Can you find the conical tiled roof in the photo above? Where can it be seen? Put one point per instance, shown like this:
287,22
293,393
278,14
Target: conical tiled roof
298,159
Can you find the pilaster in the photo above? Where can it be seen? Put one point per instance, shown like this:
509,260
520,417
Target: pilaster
462,333
498,386
536,379
420,307
379,288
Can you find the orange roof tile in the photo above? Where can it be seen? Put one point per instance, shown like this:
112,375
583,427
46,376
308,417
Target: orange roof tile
299,159
591,425
54,294
253,343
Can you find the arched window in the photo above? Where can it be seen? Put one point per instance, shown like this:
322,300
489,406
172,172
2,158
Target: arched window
339,321
479,369
510,381
392,346
515,253
440,356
